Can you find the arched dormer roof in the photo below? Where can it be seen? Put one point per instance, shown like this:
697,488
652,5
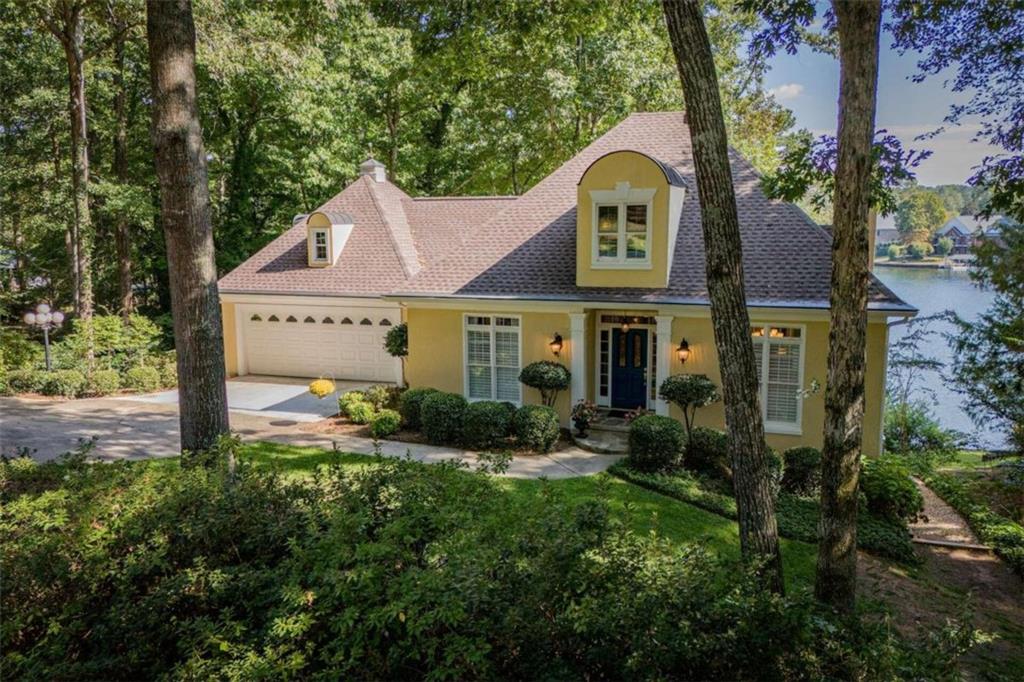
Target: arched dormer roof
333,217
672,176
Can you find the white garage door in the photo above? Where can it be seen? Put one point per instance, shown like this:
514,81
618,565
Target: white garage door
299,341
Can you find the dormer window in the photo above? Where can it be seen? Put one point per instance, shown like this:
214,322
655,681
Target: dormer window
623,233
320,246
326,235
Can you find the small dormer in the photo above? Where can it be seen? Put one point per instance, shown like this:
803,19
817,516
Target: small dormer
326,234
627,216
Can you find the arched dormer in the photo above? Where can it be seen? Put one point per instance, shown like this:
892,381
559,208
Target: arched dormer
326,234
627,216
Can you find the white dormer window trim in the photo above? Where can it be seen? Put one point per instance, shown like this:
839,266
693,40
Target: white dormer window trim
621,198
319,246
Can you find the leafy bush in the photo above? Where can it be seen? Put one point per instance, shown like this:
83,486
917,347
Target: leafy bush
348,399
26,380
547,377
67,383
104,382
894,251
116,345
385,423
383,397
888,489
168,366
707,454
144,379
802,474
944,246
910,427
18,351
689,392
441,416
918,250
536,427
487,424
655,443
409,404
396,342
361,412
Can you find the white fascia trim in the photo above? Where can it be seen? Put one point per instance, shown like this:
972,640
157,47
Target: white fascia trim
283,299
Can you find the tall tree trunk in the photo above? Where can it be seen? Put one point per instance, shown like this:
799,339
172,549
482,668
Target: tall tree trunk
185,214
70,234
759,537
122,235
858,24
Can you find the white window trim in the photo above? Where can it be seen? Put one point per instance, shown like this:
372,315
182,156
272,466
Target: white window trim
621,196
466,326
312,245
785,428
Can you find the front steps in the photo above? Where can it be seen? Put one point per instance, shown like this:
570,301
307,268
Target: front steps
607,435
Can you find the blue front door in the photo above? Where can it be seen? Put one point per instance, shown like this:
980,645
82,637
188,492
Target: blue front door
629,369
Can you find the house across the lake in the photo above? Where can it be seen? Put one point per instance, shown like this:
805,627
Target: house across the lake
600,266
967,231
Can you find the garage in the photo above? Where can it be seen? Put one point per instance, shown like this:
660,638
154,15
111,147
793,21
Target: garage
317,341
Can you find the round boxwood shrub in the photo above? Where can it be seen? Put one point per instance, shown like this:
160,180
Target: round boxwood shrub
441,416
409,404
689,392
348,399
361,412
67,383
707,453
536,427
888,490
385,423
487,424
655,443
144,379
802,475
104,382
547,377
25,380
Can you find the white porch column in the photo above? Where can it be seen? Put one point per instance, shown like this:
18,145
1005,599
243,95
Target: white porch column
664,357
578,355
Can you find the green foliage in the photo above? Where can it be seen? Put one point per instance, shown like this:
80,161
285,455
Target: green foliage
66,383
382,397
349,398
689,392
385,423
918,215
396,342
441,417
409,405
167,363
919,250
707,454
487,424
894,251
360,411
802,472
547,377
910,427
17,351
944,246
144,379
26,380
1004,535
655,443
536,427
117,345
888,490
104,382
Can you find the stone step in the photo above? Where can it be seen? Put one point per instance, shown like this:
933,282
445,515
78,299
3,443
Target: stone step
603,442
612,424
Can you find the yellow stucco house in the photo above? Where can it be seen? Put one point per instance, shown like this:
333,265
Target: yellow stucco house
602,261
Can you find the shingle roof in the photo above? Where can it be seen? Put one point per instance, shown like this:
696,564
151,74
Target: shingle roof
525,247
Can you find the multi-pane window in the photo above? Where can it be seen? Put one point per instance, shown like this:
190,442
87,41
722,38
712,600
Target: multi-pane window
779,354
623,233
492,358
320,245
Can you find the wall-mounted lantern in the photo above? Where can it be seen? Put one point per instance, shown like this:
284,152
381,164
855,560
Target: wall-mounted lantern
683,352
625,324
556,344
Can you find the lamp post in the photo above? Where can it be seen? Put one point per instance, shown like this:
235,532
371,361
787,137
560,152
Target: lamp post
45,319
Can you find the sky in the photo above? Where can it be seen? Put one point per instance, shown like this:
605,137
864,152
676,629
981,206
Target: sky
808,84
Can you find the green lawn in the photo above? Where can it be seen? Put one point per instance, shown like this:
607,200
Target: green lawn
643,510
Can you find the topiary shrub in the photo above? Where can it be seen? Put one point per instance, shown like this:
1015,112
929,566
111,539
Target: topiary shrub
707,453
688,392
536,427
361,412
385,423
487,424
655,443
383,397
547,377
441,416
396,342
25,380
888,490
144,379
349,398
802,475
409,404
104,382
67,383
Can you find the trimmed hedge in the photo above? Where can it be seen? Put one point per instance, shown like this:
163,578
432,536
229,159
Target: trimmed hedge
802,474
25,380
410,403
67,383
797,517
361,412
349,398
385,423
707,453
487,424
536,427
1004,535
143,379
655,443
441,416
104,382
889,490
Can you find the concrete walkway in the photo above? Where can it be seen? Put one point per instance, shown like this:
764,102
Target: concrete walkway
139,429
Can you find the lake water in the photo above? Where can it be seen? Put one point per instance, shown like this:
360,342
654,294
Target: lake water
933,291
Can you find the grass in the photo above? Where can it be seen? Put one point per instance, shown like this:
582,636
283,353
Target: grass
642,510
